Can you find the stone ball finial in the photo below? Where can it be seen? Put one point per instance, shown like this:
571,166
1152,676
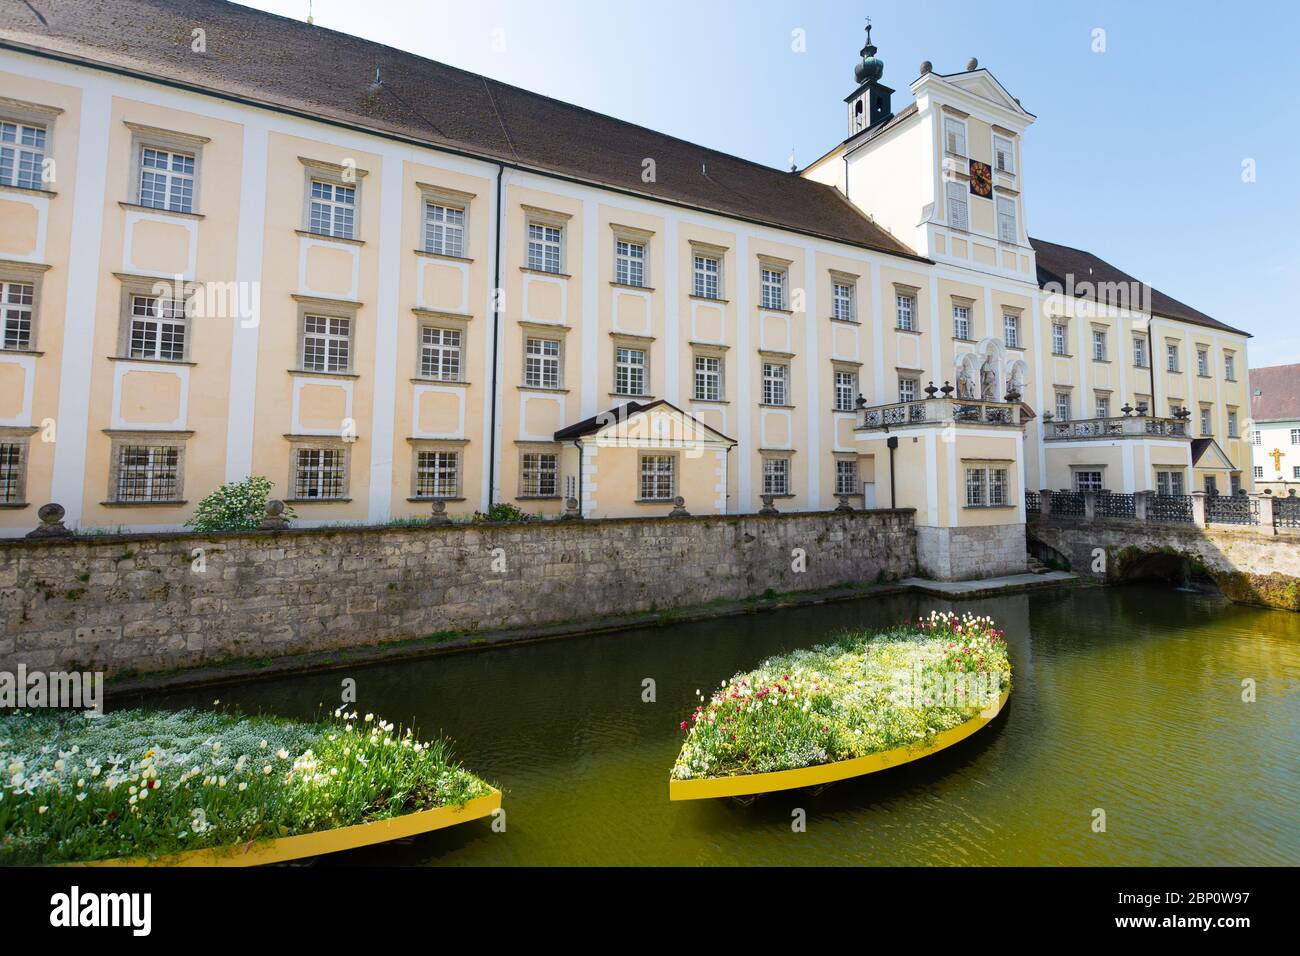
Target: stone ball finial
926,67
768,507
275,519
51,525
972,64
438,512
570,510
679,508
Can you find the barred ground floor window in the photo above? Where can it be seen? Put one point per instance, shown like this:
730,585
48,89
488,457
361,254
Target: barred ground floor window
146,469
846,476
13,470
437,474
539,474
319,471
986,486
658,477
776,476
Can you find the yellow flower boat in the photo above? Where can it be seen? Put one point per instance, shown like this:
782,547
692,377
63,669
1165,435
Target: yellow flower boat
705,788
303,845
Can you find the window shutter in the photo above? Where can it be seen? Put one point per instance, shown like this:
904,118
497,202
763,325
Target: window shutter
1007,220
957,205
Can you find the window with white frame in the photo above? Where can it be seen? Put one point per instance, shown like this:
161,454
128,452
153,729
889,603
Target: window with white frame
843,306
1169,483
1058,338
542,363
775,379
1087,479
1232,423
1203,363
1256,437
846,390
1099,345
1011,330
954,136
629,371
158,327
17,300
437,474
658,477
986,486
1007,231
166,179
905,311
22,154
13,471
1171,357
707,276
1258,471
772,288
1207,419
1004,154
961,322
539,474
320,473
326,343
1140,351
1063,406
708,378
147,472
545,244
956,193
776,476
440,353
1103,406
444,229
1229,366
906,389
629,262
846,476
332,210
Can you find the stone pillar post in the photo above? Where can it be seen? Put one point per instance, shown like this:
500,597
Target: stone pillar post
1265,514
1090,506
1045,502
1198,509
1141,501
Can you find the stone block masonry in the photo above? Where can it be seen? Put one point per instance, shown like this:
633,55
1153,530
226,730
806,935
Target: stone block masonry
140,603
970,553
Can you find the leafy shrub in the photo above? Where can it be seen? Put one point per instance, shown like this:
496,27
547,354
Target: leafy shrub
235,506
502,512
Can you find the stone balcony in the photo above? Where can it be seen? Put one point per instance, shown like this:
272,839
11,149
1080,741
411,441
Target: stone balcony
1125,426
940,411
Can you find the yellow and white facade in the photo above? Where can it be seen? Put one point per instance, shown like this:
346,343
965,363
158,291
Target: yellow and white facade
201,288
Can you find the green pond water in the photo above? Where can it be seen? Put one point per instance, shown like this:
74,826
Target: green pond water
1128,700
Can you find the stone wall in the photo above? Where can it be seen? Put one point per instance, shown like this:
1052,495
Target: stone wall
136,603
965,554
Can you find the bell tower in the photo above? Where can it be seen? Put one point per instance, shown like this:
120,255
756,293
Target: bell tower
870,104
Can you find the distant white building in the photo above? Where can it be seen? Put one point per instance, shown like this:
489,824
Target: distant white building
1275,428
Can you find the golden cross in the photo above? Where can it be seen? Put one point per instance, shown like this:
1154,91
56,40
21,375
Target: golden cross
1276,455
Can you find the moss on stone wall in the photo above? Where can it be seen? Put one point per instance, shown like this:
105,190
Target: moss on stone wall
1270,590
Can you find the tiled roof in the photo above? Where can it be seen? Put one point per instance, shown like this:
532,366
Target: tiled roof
1275,393
289,64
1057,262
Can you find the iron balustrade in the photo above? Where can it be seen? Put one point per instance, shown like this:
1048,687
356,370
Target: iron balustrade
1286,512
940,411
1113,505
1170,509
1067,504
1128,426
1231,509
1033,503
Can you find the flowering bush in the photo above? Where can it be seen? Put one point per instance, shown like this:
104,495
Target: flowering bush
135,783
858,695
235,506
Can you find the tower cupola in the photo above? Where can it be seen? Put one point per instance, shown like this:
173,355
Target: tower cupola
869,104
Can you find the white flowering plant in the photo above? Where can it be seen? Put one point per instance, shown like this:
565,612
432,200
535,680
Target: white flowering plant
857,695
235,506
136,783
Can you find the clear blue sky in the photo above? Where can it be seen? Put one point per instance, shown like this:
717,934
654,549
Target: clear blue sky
1136,154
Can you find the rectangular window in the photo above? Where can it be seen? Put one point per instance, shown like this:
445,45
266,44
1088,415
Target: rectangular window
437,474
657,477
1099,345
1169,482
166,179
440,354
1011,331
1004,155
776,476
842,302
774,383
1087,481
846,390
907,389
1103,406
957,212
1007,231
629,263
16,301
1295,471
539,475
319,473
157,328
1256,437
1232,423
772,288
846,476
22,155
708,378
1058,338
1171,357
544,243
961,322
444,229
986,487
1203,363
333,210
629,371
905,312
1139,351
708,272
1229,366
542,363
1205,421
1258,471
1063,406
1295,436
954,136
148,473
326,343
11,472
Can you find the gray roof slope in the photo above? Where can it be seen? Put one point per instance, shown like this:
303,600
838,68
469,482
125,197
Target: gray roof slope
1278,398
287,63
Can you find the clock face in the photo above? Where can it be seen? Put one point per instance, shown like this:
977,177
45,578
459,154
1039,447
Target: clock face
981,179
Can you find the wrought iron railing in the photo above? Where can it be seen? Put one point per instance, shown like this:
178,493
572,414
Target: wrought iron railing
1231,509
939,411
1067,504
1170,509
1127,426
1033,503
1112,505
1286,512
